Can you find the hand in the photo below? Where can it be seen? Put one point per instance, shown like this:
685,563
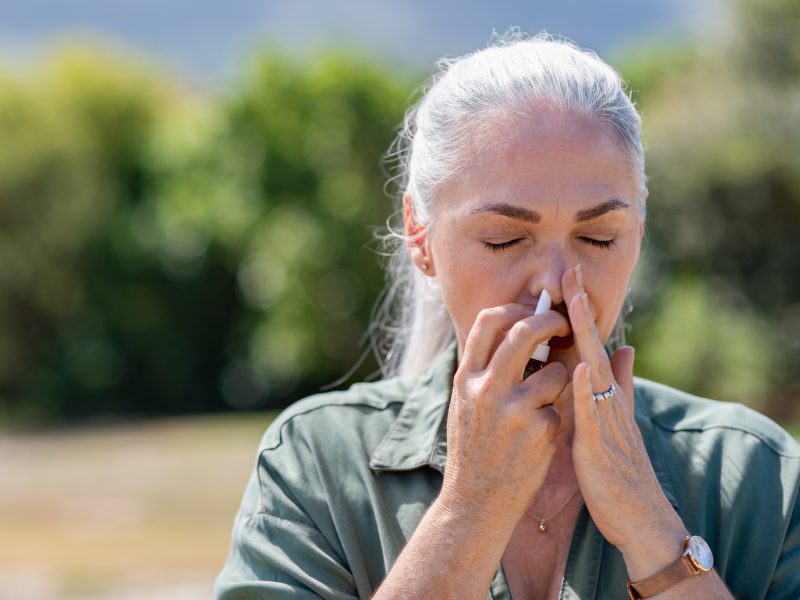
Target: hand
614,473
500,428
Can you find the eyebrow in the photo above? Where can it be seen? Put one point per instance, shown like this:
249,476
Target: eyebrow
531,216
598,211
509,210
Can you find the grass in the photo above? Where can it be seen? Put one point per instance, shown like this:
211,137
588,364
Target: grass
138,510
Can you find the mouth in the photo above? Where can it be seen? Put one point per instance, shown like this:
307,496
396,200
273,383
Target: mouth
562,343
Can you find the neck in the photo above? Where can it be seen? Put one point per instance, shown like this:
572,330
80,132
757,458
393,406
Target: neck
559,486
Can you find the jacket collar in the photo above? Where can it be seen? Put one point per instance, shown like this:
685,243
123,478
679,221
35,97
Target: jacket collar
418,436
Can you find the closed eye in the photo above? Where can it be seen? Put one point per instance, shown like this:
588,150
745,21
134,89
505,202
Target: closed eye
502,245
605,244
599,243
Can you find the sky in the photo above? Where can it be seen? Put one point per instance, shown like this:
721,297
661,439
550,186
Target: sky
208,41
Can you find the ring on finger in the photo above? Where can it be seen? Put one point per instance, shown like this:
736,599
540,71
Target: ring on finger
609,393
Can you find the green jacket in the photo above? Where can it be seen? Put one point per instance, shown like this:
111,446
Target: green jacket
342,480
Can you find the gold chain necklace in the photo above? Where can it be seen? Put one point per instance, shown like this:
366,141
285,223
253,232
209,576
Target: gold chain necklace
543,521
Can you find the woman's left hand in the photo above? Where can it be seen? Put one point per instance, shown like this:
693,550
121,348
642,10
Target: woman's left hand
614,473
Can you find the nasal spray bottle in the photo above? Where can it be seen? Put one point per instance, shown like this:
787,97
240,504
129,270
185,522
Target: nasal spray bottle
539,356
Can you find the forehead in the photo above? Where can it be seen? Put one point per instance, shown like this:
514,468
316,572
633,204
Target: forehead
547,159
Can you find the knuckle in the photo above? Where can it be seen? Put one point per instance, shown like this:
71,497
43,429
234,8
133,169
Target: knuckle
522,330
543,429
549,381
550,420
481,392
557,371
488,315
462,378
479,388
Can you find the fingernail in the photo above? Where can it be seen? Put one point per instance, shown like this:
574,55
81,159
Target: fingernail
585,300
579,275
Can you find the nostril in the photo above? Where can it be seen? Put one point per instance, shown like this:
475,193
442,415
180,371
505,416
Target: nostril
556,296
561,308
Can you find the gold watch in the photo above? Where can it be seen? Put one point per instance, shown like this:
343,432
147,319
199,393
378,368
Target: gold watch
695,560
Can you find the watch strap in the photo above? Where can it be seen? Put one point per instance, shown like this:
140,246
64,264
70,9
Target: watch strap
674,573
663,580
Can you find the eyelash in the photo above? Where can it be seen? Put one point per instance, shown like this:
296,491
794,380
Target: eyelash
605,244
502,246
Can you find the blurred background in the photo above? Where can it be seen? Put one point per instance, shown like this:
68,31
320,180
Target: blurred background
188,201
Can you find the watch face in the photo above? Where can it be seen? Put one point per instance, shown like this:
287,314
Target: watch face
700,553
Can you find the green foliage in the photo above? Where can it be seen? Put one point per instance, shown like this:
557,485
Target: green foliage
66,168
163,252
724,209
697,343
305,265
768,34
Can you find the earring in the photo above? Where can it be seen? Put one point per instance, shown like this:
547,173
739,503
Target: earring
425,266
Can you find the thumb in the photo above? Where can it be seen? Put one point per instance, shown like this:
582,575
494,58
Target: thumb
622,367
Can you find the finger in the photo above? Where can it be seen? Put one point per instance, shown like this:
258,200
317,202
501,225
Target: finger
585,405
571,283
544,387
487,332
515,350
622,367
587,341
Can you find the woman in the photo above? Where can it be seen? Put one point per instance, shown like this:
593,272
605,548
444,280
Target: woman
523,173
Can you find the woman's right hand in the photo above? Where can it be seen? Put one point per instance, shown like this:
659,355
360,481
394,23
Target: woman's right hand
500,428
500,432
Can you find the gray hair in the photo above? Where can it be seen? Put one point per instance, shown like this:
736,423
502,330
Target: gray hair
515,75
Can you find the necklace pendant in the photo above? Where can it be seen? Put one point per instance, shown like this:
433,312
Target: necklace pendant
542,526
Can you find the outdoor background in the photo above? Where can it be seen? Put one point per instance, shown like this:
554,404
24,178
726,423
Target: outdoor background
188,201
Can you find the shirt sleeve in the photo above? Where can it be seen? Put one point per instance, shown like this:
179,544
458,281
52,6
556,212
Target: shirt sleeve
785,584
278,550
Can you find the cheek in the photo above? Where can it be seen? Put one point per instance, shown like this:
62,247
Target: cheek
470,282
607,288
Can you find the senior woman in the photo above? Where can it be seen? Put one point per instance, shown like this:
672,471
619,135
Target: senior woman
460,476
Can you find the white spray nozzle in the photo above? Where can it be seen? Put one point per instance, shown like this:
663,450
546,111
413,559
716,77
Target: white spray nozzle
542,350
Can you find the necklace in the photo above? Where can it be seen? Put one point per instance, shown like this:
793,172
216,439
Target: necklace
543,521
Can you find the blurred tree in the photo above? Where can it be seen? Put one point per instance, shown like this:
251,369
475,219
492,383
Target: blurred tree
723,139
161,252
66,166
292,202
766,44
165,251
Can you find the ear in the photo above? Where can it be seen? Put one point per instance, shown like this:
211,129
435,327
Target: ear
417,239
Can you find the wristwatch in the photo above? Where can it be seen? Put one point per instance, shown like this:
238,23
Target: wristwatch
696,559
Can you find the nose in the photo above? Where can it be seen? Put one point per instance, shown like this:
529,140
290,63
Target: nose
546,272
